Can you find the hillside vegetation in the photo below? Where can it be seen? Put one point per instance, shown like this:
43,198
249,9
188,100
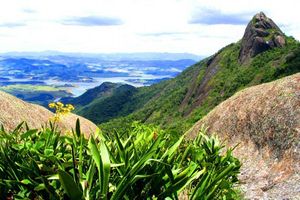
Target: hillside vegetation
178,103
264,54
38,94
104,102
231,92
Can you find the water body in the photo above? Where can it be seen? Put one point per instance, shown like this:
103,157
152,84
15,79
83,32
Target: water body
81,87
78,88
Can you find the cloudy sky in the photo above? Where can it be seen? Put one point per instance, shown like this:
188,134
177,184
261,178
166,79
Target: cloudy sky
104,26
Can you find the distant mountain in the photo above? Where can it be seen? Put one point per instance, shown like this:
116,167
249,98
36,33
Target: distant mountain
80,69
178,103
264,122
40,69
102,91
262,117
45,79
108,56
14,111
104,102
235,92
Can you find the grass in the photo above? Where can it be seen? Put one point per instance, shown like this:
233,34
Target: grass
143,163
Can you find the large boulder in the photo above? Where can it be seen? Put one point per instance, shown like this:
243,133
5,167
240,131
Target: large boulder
13,111
264,121
260,35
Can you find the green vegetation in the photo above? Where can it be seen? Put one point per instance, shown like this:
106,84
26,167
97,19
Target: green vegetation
100,92
39,94
108,106
232,76
177,104
105,102
143,163
29,87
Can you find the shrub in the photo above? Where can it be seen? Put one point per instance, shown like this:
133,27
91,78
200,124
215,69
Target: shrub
140,164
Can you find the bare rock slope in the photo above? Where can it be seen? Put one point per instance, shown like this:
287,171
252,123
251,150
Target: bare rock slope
13,111
264,121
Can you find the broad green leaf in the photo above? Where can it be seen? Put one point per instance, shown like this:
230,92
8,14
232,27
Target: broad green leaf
48,152
94,152
129,178
117,165
54,177
28,133
106,167
69,185
77,129
26,181
170,152
40,187
18,128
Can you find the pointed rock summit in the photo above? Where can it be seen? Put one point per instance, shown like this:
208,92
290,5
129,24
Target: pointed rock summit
260,35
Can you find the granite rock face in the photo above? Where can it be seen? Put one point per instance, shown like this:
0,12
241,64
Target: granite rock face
260,35
13,111
263,123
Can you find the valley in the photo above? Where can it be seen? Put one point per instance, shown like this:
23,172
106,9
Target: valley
44,78
178,103
154,125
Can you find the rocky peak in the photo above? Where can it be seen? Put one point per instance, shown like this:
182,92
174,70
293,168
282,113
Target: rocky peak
260,35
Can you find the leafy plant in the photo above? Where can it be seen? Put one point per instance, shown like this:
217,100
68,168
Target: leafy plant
142,163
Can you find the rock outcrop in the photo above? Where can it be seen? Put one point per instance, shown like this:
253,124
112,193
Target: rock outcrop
13,111
260,35
264,121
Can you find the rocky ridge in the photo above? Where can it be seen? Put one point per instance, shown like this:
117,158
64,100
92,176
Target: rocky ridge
264,121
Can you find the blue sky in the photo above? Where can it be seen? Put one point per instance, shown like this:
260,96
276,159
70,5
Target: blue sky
104,26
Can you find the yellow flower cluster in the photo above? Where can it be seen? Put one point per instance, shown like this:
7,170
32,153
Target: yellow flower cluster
60,109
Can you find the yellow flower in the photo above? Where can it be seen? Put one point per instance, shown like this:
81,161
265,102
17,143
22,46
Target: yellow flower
60,109
51,105
59,104
70,107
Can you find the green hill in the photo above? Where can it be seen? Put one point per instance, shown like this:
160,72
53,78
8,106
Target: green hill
104,102
262,55
101,91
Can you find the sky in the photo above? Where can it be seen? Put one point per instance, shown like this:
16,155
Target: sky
200,27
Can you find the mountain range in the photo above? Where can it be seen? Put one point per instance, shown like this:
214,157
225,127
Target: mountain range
247,94
264,54
146,56
258,117
43,78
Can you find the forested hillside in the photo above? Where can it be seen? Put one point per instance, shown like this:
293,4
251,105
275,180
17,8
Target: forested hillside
264,54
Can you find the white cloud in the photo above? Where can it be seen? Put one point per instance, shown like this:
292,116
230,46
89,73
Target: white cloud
134,25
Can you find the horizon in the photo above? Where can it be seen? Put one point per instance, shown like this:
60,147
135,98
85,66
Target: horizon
78,52
130,27
114,56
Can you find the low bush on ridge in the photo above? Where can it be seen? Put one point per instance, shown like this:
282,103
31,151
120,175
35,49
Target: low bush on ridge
143,163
